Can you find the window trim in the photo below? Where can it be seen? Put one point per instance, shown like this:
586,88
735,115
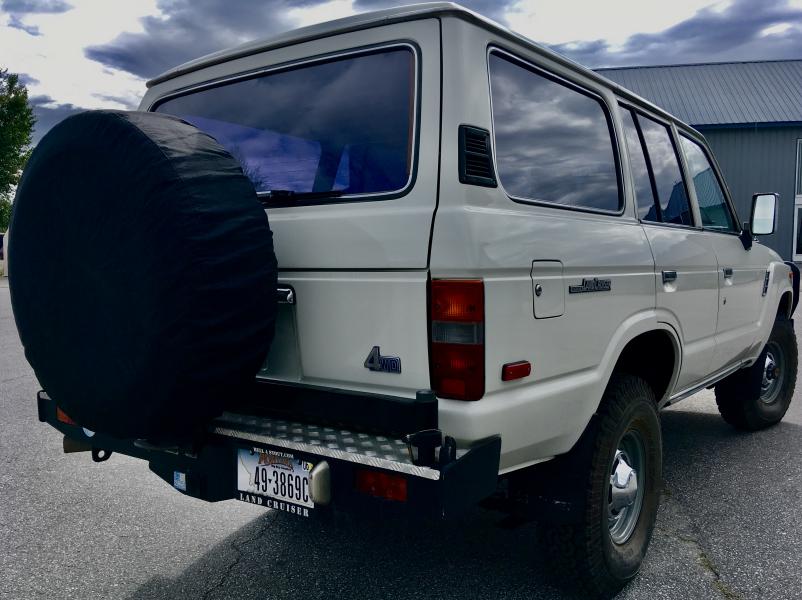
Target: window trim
367,50
721,184
615,144
680,160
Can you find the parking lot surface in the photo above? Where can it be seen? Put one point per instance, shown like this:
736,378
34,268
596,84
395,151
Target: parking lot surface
730,524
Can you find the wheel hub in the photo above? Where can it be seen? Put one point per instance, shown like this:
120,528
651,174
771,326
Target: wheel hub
625,492
623,484
772,374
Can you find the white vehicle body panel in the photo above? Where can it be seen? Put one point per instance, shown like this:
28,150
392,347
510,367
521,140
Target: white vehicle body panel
360,270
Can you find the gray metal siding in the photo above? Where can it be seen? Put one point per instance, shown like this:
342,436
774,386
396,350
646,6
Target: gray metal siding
718,94
760,160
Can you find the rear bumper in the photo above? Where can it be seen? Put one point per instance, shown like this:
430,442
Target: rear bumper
207,470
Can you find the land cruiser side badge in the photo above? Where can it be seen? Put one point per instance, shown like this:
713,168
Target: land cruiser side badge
591,285
386,364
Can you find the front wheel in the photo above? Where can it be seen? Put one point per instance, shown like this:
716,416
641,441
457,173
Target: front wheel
615,497
759,396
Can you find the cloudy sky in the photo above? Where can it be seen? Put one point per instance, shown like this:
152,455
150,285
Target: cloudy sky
76,54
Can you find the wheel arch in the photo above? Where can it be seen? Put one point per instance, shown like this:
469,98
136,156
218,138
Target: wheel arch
654,356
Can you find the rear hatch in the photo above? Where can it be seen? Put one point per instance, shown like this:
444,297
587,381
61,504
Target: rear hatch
343,149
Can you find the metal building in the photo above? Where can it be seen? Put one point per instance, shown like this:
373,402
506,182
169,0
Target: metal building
751,114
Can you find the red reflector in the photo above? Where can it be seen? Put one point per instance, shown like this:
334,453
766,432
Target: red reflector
458,300
381,485
62,416
516,370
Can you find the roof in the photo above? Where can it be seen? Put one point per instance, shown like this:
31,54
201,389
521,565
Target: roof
385,17
735,93
320,30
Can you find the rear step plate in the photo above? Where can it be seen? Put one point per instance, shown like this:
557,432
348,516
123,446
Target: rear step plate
367,449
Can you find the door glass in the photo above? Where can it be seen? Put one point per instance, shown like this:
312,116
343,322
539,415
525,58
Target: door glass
671,194
647,207
716,213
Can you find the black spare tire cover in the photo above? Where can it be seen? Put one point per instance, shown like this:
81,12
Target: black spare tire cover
142,273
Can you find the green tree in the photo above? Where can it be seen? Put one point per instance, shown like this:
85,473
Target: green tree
16,128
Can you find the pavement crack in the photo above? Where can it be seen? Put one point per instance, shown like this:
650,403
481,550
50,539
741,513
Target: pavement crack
237,547
702,557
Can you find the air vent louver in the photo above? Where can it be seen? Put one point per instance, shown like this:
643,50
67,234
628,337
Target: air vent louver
475,157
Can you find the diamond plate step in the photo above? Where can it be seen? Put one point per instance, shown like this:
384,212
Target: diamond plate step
363,448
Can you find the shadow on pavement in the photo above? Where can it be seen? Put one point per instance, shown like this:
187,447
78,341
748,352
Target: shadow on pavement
280,556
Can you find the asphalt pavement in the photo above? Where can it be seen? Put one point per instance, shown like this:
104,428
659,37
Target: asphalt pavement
730,525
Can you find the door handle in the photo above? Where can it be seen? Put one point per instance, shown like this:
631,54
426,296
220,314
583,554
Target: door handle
669,276
727,272
285,295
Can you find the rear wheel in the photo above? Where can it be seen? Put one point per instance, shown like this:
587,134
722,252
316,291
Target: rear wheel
759,396
601,544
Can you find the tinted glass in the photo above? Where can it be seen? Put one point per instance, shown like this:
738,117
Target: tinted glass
647,208
713,205
671,194
553,143
344,125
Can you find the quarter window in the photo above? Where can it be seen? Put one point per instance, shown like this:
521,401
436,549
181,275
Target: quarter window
672,198
553,142
715,211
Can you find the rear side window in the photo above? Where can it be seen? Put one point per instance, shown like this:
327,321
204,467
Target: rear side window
341,127
673,206
715,211
553,142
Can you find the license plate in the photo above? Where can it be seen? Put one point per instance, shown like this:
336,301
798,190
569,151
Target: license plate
274,478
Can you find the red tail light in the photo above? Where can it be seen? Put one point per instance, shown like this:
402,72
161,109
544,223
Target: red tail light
381,485
457,356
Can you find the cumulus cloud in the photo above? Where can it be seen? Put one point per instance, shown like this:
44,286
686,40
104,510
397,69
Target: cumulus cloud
22,7
737,32
186,29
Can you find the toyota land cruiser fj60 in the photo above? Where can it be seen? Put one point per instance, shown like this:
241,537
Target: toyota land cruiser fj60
486,270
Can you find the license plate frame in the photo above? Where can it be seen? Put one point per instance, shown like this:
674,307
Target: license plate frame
274,478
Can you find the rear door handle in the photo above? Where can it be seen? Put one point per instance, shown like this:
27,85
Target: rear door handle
285,295
669,276
728,272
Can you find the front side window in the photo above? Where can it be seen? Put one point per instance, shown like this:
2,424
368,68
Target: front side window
553,142
673,206
341,127
715,211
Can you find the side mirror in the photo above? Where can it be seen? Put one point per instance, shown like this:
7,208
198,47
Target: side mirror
764,213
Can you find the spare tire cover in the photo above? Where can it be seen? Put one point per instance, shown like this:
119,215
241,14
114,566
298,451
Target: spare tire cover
142,273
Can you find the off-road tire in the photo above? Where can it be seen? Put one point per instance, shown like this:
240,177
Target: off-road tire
580,546
739,396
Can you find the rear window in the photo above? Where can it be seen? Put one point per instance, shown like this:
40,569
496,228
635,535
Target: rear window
344,127
553,141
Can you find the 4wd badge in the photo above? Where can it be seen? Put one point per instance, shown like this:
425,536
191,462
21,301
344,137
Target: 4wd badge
386,364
